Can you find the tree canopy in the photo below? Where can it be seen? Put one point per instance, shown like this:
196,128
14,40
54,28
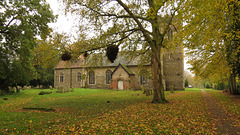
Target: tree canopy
21,22
211,33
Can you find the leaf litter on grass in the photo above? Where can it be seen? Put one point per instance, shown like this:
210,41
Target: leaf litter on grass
185,114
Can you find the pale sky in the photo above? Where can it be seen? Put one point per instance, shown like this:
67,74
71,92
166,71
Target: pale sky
64,23
68,24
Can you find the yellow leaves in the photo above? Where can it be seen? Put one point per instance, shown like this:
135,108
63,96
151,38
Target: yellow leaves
180,116
151,13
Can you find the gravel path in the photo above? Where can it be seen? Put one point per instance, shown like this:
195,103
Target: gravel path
221,120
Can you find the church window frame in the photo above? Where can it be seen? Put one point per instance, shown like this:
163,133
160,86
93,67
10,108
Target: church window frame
144,76
61,77
143,79
91,76
108,76
79,77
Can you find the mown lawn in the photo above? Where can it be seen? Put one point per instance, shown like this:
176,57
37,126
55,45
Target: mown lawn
87,111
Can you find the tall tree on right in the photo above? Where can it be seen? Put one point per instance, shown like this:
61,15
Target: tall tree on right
211,33
232,39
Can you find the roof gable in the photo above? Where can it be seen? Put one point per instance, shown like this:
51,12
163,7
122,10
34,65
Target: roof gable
125,69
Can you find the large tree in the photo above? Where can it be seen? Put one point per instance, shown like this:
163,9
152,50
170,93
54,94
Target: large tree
211,32
141,25
232,38
21,22
19,75
46,55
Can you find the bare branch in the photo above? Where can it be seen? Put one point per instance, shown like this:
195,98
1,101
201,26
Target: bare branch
145,33
4,30
170,20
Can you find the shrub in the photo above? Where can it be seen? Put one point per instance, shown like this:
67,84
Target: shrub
207,85
1,93
44,92
186,83
72,89
219,86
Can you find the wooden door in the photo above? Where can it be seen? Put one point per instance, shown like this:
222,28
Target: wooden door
120,85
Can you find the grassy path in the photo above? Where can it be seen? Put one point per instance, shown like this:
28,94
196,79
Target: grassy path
221,120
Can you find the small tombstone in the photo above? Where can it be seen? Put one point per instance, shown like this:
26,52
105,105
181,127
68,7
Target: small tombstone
60,90
69,89
171,89
66,89
72,89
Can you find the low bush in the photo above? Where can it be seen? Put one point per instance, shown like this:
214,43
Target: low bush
72,89
44,92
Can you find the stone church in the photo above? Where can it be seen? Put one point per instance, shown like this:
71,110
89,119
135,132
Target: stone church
120,75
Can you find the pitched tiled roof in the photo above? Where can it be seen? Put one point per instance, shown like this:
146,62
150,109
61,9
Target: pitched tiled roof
105,63
70,64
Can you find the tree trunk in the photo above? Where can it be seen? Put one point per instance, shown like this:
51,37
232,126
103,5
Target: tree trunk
158,89
233,85
17,89
224,86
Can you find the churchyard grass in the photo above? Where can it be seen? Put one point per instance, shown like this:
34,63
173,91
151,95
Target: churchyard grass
89,111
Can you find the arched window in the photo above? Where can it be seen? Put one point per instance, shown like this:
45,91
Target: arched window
79,77
144,74
91,77
108,76
143,79
61,77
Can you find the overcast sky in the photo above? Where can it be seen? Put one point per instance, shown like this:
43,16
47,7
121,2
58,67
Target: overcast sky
64,23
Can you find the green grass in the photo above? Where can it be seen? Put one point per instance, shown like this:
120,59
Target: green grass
193,90
86,111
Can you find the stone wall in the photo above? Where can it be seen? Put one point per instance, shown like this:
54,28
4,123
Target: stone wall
173,68
120,75
173,71
66,78
100,77
70,78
